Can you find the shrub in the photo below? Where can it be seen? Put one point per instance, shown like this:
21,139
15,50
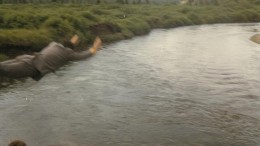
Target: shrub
195,18
89,16
3,57
60,28
24,38
99,11
22,20
251,15
34,25
137,26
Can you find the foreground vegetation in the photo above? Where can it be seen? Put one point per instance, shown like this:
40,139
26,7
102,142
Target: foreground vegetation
30,27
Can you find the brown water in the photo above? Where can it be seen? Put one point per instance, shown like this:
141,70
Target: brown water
190,86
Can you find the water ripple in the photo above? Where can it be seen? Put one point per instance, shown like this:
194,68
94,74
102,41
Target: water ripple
196,85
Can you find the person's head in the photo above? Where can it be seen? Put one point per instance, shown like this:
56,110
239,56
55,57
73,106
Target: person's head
256,38
72,42
17,143
75,39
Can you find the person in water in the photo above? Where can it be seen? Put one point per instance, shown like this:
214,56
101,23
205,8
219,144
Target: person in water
49,59
17,143
256,38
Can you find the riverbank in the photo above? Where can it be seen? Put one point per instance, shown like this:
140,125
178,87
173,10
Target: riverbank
31,27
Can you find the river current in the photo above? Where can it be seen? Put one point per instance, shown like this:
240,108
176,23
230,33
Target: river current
188,86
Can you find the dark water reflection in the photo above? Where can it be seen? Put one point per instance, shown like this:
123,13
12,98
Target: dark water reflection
193,86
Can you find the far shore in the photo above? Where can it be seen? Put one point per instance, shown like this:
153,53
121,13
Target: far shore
28,28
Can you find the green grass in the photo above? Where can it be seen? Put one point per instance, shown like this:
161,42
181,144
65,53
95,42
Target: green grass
3,57
32,27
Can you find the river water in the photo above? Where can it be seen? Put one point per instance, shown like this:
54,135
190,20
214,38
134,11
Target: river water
189,86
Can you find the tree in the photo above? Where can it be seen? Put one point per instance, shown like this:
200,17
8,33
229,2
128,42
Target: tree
120,1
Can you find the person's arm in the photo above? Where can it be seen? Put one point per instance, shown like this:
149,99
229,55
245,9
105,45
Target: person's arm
79,55
85,54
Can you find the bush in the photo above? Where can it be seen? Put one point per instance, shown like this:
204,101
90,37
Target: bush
195,18
113,37
99,11
23,38
22,20
89,16
35,25
3,57
60,28
251,15
137,26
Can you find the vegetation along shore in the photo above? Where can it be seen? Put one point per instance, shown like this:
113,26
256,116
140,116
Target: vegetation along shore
29,27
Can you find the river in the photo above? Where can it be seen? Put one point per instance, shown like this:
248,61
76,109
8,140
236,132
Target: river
189,86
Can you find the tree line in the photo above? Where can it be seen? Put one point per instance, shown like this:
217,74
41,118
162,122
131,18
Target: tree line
73,1
46,1
132,1
216,2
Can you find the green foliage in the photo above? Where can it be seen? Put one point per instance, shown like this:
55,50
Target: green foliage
59,27
33,26
251,15
32,39
89,16
3,57
113,37
137,26
120,1
21,20
99,11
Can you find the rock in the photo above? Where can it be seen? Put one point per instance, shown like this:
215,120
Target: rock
255,38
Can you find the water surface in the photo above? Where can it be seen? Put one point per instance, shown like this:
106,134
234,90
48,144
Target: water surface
190,86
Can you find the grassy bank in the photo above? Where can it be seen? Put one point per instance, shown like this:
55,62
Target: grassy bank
31,27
